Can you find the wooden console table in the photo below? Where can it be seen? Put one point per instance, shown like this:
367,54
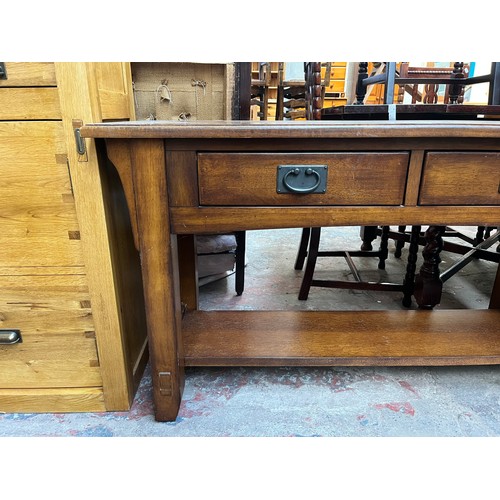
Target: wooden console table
182,179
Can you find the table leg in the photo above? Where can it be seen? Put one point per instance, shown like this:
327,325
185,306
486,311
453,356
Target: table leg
428,284
188,271
158,250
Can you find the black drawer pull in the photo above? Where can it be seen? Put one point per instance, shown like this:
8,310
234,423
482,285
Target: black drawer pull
301,179
8,337
3,71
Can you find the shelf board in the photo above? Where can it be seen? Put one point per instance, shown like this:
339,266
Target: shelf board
341,338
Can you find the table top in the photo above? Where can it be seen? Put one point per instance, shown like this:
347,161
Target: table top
241,129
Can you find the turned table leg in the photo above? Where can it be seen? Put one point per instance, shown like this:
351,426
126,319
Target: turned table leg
428,284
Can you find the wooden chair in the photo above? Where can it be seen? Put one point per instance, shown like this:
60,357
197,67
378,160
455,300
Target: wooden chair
455,79
429,94
309,245
259,90
406,77
310,238
291,93
290,100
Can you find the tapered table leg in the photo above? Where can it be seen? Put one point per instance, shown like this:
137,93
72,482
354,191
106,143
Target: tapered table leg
160,273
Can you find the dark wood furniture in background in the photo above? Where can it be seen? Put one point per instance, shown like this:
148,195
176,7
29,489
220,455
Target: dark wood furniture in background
456,79
191,178
309,246
290,96
429,95
259,90
407,79
302,98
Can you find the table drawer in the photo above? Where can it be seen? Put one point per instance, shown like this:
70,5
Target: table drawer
352,178
451,178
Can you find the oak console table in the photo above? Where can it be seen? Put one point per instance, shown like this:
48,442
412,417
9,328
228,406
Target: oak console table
182,179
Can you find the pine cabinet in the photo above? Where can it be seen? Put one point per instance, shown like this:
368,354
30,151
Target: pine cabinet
70,273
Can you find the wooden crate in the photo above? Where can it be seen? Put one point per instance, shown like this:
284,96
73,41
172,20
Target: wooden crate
79,352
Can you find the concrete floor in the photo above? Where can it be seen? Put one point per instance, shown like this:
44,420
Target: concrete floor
301,401
271,282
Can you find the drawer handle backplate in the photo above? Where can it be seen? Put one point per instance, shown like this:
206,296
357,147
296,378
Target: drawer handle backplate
301,179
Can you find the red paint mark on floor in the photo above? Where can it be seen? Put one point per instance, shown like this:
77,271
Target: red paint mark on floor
408,387
199,396
405,407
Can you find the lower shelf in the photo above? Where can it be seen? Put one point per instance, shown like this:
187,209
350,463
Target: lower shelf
341,338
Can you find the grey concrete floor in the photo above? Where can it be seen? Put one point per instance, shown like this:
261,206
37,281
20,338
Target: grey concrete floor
271,282
365,401
375,401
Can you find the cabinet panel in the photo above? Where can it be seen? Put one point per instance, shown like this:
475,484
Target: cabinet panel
114,90
29,74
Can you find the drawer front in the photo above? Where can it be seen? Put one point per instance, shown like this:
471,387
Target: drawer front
352,179
37,209
37,103
461,179
29,74
58,347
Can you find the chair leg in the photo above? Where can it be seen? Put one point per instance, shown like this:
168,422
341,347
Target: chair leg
240,261
384,247
479,235
302,252
368,234
428,282
487,234
400,243
411,267
312,256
